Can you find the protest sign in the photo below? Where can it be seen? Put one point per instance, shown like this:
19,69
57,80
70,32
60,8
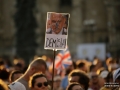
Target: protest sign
56,30
90,51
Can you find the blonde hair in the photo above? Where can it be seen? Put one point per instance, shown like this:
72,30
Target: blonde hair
3,85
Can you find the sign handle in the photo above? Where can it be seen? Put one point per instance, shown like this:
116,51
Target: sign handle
54,54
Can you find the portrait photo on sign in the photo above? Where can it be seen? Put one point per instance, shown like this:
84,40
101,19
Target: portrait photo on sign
57,23
56,33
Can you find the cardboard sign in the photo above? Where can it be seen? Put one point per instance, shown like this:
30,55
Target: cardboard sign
56,30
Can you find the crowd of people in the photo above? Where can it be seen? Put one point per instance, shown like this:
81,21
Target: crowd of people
80,75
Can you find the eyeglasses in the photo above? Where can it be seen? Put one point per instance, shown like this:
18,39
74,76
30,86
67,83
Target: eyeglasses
40,84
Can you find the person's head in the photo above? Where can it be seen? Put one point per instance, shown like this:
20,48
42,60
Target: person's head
4,74
94,78
116,76
19,63
98,63
18,66
112,64
3,85
80,77
57,81
37,65
103,76
109,61
82,66
14,75
102,72
57,22
92,68
70,68
38,82
74,86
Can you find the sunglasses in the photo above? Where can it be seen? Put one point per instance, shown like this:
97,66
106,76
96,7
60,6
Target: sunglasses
44,83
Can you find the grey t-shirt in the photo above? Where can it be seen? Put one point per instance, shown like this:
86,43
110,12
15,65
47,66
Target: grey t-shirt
24,82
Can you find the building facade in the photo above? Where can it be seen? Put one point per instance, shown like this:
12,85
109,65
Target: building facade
91,21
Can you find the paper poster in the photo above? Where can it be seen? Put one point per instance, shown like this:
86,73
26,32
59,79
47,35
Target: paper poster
91,50
56,30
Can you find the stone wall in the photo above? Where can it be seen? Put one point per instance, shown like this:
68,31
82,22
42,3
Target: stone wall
91,21
7,29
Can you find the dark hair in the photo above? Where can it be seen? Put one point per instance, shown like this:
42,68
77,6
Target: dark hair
92,67
70,86
80,65
83,77
68,70
11,77
4,74
18,65
1,62
34,77
74,64
109,76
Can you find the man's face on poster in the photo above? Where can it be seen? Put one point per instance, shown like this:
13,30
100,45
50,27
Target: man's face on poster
57,22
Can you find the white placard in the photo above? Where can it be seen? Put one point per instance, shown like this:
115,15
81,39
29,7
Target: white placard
56,30
91,50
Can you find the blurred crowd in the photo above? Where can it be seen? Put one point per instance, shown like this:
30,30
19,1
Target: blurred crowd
80,75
